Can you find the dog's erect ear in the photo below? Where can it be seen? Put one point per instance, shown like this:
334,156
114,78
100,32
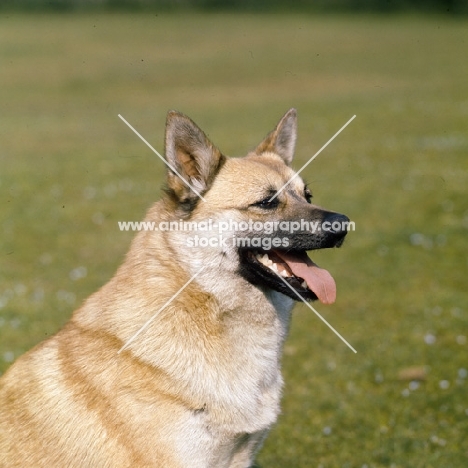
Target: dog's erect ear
192,155
282,140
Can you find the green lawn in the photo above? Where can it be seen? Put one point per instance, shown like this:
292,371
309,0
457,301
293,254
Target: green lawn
70,169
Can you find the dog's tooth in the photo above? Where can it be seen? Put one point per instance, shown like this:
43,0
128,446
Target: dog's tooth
304,285
274,267
258,256
284,274
263,261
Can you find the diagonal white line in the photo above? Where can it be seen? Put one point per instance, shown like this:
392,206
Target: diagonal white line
312,158
160,157
315,312
162,308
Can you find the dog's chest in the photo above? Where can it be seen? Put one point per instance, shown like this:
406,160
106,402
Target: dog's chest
247,386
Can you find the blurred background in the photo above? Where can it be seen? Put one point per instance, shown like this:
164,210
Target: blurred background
70,170
263,6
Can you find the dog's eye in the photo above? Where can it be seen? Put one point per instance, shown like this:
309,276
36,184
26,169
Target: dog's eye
267,203
308,195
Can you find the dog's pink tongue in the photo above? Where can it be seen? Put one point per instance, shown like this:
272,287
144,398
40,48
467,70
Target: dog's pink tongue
318,279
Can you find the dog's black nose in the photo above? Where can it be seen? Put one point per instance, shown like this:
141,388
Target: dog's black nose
336,224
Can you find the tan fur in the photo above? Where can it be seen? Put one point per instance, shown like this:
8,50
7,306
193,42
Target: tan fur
200,387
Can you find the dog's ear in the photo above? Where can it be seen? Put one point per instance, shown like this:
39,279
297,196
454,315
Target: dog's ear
282,140
190,156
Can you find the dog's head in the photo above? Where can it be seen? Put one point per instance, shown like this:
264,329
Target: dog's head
258,204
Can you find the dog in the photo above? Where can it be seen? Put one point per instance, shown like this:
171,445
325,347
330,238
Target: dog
175,362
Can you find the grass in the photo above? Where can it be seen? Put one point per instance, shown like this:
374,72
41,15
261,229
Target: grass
70,169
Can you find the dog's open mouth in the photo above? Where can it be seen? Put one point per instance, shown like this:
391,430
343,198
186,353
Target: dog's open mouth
296,268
